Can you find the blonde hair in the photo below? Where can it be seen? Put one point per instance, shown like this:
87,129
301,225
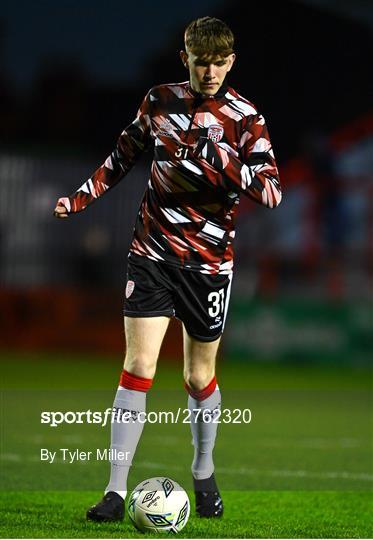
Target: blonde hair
208,37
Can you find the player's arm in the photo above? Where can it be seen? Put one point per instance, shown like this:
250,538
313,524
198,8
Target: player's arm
132,142
255,172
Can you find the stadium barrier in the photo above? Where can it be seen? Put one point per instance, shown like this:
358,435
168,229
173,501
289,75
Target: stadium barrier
300,330
69,320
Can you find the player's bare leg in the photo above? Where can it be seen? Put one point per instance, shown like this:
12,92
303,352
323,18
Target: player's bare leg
204,402
144,338
199,361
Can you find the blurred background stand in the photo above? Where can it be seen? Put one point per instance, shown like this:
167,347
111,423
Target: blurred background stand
72,77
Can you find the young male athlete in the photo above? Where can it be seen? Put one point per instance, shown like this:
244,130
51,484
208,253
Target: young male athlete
210,146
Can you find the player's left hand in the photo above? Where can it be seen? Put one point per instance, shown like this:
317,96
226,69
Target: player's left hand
61,209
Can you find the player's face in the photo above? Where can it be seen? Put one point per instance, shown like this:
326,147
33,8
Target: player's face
207,76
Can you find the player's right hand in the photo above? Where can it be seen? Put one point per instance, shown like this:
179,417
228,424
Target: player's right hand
60,211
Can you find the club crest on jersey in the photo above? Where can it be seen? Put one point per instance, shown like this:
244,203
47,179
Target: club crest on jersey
129,288
215,133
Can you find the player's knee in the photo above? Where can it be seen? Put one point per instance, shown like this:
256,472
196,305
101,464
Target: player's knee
141,366
198,379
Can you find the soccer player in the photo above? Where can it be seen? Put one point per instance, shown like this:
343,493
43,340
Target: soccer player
211,145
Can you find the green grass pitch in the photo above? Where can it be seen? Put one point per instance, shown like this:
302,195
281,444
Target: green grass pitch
301,468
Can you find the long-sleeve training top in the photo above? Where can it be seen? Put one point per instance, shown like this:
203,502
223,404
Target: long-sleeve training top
208,150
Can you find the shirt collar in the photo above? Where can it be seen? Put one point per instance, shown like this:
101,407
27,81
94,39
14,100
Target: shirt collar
219,94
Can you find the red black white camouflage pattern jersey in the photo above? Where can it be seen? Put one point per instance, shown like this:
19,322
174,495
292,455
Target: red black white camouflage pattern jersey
207,151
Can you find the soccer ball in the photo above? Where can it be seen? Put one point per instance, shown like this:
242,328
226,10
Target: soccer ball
159,504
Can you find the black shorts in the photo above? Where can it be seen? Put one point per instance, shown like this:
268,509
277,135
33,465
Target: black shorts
200,301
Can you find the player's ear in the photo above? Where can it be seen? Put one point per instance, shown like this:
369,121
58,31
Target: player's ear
184,58
232,58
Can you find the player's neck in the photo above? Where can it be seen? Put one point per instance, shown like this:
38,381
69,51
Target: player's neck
220,93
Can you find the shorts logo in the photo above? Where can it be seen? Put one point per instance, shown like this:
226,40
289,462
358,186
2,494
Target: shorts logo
215,325
130,288
215,133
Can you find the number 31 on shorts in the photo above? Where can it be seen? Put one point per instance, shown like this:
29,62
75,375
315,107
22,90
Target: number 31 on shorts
217,302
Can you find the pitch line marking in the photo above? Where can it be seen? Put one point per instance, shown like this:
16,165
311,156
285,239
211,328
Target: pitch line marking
345,475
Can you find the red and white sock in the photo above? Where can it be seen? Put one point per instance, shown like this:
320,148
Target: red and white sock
130,399
208,402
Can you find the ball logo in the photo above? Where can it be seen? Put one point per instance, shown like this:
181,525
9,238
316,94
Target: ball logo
163,506
215,133
130,287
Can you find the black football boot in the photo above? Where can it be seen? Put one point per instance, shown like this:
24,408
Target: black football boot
110,508
208,501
